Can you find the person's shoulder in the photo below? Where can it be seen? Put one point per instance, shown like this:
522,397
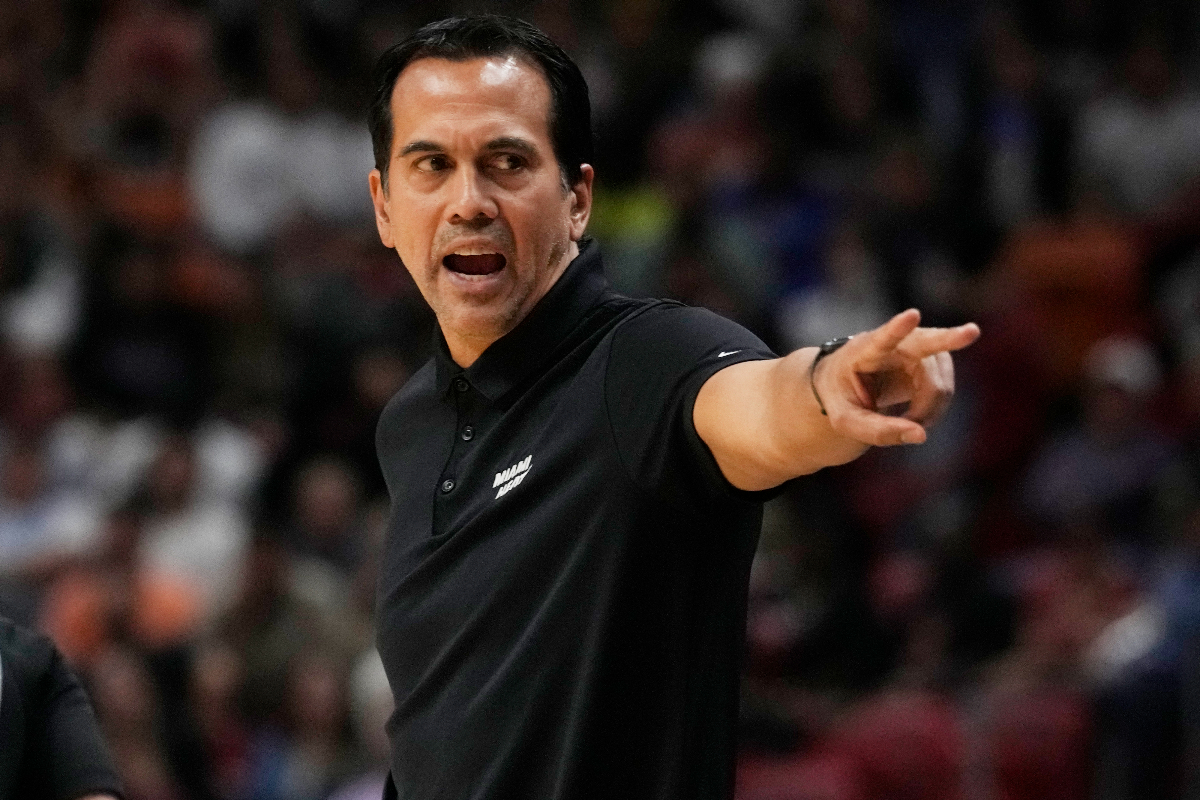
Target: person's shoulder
669,343
25,652
622,308
409,404
18,637
421,387
669,323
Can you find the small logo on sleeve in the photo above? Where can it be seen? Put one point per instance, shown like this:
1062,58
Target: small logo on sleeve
724,353
508,479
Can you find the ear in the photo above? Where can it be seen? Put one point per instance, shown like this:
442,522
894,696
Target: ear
581,202
383,216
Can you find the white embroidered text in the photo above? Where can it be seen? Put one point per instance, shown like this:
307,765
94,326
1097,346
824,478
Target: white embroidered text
508,479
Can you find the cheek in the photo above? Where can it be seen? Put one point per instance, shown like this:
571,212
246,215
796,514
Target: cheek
549,222
412,240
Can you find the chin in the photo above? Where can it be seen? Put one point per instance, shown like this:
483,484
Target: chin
480,323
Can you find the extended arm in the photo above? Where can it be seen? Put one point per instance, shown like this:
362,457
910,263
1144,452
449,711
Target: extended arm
762,422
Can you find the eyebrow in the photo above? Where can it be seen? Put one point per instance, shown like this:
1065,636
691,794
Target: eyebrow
501,143
512,143
422,146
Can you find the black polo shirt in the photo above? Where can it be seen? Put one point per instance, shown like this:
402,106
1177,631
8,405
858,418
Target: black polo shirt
561,606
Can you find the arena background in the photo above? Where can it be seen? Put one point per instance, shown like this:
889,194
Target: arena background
200,327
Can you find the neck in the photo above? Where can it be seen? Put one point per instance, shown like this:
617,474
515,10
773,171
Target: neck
466,350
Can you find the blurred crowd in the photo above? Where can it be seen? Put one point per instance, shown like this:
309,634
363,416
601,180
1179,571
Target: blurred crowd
199,328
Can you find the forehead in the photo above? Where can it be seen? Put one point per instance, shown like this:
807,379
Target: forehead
433,94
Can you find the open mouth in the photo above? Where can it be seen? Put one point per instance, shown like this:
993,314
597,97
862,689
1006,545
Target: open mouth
484,264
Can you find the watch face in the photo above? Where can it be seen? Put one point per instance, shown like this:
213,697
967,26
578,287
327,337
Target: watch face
834,344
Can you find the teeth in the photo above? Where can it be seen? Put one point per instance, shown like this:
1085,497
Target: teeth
474,252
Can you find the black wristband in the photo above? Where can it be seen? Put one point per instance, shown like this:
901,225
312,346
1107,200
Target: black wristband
822,351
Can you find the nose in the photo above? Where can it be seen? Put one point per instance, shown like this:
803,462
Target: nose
470,200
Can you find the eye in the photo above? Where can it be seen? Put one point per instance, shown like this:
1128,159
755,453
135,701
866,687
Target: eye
507,161
435,162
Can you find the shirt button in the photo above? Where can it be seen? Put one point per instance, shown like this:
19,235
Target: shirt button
461,385
447,486
468,433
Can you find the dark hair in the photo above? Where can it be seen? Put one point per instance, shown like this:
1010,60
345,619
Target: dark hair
483,36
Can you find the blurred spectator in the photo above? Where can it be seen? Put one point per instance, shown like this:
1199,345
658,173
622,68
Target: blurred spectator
233,458
140,350
851,298
274,619
38,524
1102,472
130,710
1143,666
1055,730
36,413
1037,742
1061,285
263,163
148,77
118,598
1033,712
348,427
200,541
906,744
224,733
327,518
902,219
1140,142
1020,155
304,757
39,266
40,528
371,704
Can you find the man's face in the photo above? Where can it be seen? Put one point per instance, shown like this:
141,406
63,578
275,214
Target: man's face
475,204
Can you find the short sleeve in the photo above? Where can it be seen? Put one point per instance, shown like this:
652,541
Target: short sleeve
658,361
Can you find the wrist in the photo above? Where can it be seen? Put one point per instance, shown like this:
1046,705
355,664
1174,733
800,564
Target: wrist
824,350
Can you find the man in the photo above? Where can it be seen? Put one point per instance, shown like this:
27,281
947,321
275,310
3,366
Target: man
50,745
576,476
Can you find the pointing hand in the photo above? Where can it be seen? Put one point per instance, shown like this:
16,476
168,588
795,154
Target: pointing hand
879,371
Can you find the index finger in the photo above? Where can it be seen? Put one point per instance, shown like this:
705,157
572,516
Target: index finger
878,345
922,342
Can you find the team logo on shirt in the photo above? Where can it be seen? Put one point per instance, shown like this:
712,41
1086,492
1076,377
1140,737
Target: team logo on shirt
508,479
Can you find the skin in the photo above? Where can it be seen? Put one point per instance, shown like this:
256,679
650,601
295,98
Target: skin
473,170
762,422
